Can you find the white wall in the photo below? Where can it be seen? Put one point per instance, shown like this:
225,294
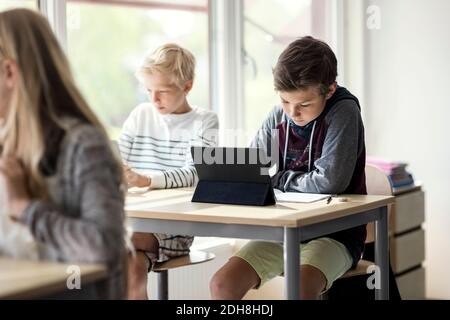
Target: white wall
407,110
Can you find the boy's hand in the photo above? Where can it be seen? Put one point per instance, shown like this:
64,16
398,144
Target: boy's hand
13,178
134,179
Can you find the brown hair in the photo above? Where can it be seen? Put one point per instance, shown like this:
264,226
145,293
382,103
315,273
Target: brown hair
305,62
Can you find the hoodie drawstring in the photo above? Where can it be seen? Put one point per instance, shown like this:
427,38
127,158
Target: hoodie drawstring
310,146
286,144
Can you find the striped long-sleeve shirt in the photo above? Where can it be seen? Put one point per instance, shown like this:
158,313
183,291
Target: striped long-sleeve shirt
158,146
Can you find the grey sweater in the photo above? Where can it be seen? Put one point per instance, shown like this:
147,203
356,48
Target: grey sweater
326,156
84,219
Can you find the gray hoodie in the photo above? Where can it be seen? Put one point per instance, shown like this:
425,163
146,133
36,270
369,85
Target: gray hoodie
326,156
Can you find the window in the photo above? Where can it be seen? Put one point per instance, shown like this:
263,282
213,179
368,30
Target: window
10,4
107,41
269,26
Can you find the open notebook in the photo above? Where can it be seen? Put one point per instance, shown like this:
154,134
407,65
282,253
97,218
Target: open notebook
299,196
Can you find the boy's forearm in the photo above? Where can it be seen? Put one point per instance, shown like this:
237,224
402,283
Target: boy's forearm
175,178
295,181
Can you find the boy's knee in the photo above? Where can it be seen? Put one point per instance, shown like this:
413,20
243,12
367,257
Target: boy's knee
217,285
145,242
312,281
222,287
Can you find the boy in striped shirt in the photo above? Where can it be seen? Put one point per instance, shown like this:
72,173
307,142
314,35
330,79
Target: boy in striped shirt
155,147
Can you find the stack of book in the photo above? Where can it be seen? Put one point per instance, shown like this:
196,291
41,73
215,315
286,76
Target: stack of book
400,179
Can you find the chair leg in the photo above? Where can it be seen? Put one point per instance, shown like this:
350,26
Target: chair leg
163,285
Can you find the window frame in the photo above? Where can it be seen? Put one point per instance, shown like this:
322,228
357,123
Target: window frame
226,51
226,48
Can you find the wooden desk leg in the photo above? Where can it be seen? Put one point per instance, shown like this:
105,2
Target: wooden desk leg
382,254
291,263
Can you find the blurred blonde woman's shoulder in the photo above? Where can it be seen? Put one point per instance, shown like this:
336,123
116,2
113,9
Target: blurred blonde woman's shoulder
82,133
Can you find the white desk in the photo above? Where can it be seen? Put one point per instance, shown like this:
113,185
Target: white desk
171,211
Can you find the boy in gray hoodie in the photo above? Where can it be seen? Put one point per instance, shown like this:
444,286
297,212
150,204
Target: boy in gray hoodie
321,144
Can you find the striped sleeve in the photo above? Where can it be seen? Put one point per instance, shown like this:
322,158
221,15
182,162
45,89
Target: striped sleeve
186,176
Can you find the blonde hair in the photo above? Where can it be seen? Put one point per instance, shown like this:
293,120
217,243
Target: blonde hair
44,96
170,59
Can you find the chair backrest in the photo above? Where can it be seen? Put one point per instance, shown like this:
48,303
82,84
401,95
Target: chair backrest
377,183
